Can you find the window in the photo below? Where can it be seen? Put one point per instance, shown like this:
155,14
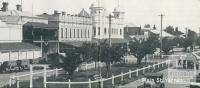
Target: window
88,33
78,33
85,33
120,31
105,31
70,33
112,31
94,28
74,33
81,33
61,32
66,32
98,30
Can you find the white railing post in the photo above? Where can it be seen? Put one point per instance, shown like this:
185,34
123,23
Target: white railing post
101,83
137,72
31,76
45,76
90,86
153,56
154,66
143,70
113,80
17,82
129,73
56,72
149,67
122,76
69,86
168,63
86,67
162,64
10,81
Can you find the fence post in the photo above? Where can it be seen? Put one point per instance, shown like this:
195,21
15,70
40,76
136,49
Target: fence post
17,82
10,81
143,69
149,68
86,68
31,76
137,72
113,80
45,76
122,76
129,73
168,63
90,86
69,83
56,72
163,64
101,83
154,66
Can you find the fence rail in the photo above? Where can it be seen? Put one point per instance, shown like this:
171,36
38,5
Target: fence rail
113,77
16,79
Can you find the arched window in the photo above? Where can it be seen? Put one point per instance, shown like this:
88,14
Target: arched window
70,33
61,32
105,31
99,30
85,33
88,33
120,31
78,33
81,33
74,33
66,32
94,30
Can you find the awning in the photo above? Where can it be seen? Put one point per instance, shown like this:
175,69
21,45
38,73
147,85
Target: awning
17,46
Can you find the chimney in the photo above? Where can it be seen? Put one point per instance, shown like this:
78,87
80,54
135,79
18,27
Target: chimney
5,6
63,13
19,7
55,12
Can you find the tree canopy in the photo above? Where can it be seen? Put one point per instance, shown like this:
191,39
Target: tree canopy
140,48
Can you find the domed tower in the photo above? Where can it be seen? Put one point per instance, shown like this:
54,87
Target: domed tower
98,16
118,13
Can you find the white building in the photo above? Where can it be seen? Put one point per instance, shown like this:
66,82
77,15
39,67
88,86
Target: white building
12,21
76,27
100,24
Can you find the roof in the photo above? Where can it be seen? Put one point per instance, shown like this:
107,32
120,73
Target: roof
17,46
164,34
39,25
84,13
16,13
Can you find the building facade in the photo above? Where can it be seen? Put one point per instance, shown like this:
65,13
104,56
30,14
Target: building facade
101,28
76,27
12,21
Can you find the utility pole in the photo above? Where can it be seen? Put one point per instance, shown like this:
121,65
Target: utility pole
110,19
161,15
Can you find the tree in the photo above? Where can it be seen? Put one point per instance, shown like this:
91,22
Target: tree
69,62
167,45
198,41
140,48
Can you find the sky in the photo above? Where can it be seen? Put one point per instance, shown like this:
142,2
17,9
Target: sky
178,13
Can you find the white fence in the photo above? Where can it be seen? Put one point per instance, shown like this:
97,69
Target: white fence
92,65
89,82
16,79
